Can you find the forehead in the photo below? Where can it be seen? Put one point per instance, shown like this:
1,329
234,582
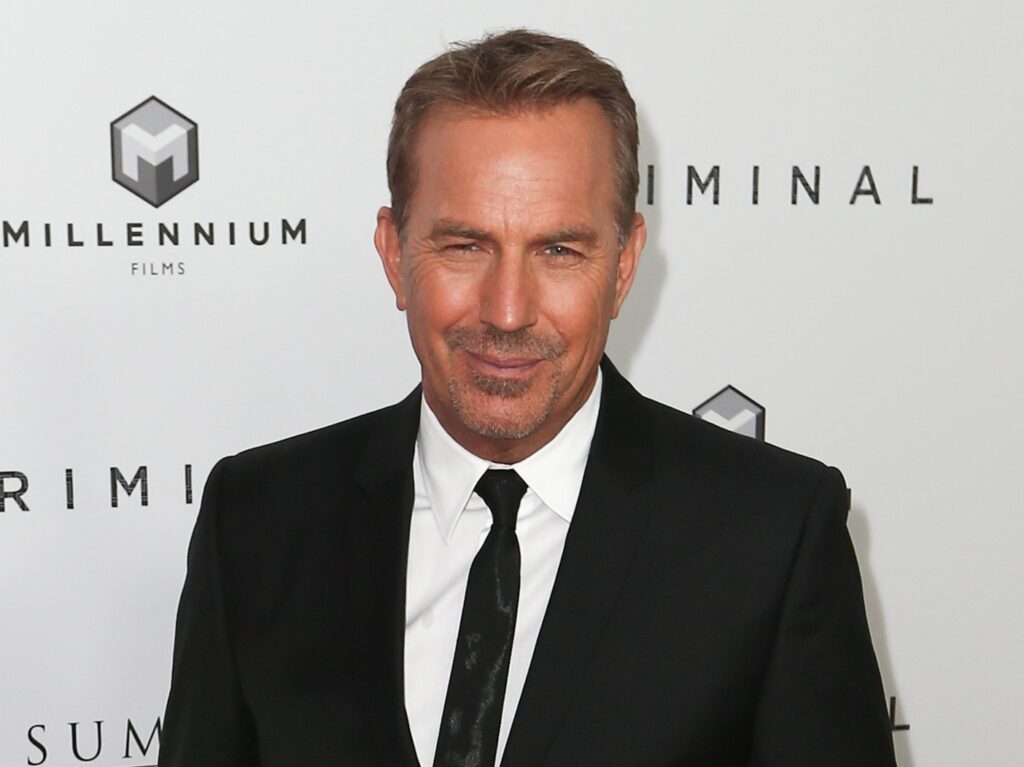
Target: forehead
554,162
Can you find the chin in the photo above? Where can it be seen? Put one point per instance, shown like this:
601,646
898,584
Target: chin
502,429
499,417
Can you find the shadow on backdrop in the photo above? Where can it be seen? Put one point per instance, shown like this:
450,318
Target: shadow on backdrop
628,331
860,532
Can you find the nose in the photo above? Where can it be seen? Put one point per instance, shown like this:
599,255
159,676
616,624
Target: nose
508,294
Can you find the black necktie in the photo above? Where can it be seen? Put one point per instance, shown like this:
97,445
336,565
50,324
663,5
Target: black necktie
476,687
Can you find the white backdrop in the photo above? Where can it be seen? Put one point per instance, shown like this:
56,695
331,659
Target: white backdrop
882,338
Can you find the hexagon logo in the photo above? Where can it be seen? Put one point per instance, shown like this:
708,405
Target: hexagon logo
154,151
733,410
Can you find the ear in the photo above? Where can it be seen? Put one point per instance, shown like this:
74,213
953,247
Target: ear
629,257
385,238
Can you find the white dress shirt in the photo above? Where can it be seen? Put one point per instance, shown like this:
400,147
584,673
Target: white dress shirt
449,524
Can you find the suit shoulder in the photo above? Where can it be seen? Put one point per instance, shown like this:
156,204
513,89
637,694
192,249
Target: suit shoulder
329,448
737,480
718,451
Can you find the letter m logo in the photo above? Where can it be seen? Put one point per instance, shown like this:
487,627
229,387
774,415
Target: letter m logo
154,151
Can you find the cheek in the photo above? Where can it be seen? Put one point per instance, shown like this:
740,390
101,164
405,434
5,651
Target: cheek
437,301
579,308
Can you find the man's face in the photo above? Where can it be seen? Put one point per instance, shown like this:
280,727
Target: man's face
510,269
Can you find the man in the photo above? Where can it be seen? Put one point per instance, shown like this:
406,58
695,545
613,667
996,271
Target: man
525,562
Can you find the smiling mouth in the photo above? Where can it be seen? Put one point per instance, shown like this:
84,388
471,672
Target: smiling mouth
502,367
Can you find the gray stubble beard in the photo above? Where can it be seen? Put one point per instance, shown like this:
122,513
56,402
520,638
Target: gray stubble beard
516,342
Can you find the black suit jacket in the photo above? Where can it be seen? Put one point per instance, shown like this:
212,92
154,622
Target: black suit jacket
707,608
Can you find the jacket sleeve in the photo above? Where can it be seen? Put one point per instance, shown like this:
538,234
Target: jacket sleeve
822,701
206,723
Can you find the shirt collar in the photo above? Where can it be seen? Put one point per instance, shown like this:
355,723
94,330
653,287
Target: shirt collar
554,473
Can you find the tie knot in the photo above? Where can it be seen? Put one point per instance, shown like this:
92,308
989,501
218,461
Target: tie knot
502,490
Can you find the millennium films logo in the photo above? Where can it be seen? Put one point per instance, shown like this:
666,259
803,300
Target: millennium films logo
154,151
154,154
733,410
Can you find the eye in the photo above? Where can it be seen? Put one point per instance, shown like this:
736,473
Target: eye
463,247
561,250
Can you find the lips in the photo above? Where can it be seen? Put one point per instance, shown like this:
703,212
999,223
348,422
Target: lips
505,367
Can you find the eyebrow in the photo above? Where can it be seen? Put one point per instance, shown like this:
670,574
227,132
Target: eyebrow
446,227
578,234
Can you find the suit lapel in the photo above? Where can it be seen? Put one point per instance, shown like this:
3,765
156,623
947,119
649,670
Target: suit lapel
376,558
606,528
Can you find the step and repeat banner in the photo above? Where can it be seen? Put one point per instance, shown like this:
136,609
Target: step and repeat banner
187,196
